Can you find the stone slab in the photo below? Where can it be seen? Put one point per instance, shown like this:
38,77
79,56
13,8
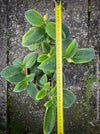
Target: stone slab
3,63
22,108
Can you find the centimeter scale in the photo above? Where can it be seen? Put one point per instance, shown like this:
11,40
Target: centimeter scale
59,67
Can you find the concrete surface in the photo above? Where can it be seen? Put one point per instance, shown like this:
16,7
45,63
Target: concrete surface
21,108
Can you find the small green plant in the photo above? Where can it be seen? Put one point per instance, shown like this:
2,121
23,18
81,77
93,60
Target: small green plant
40,77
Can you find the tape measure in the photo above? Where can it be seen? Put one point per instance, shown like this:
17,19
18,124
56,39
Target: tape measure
59,67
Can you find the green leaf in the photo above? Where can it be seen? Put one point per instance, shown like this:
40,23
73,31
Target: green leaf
32,90
49,64
65,44
65,63
41,94
53,92
52,41
48,73
34,17
72,49
55,101
66,31
10,70
31,48
43,79
18,62
39,52
34,69
49,119
51,30
54,76
54,83
68,98
48,103
51,19
30,59
47,85
16,78
34,36
53,50
42,57
83,55
30,77
46,48
21,86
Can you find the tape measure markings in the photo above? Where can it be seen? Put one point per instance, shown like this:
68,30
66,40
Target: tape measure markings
59,68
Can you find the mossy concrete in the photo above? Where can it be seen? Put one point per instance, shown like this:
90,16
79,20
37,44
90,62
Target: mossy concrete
77,119
3,63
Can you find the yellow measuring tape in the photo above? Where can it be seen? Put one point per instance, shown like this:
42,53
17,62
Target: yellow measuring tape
59,67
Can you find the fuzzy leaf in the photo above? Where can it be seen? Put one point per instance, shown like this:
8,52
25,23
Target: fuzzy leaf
64,27
47,85
55,101
32,90
30,77
53,92
48,103
41,94
46,48
68,98
31,48
51,30
34,69
39,52
16,78
48,73
83,55
66,31
43,79
18,62
21,86
34,17
30,59
65,63
65,44
72,49
51,19
49,64
42,57
53,50
52,41
49,119
34,36
10,71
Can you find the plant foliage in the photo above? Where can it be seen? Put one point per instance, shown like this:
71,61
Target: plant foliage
40,77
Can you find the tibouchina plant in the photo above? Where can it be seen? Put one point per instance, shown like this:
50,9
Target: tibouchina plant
36,73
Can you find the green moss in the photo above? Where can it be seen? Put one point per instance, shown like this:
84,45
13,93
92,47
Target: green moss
8,99
17,128
1,132
7,35
89,80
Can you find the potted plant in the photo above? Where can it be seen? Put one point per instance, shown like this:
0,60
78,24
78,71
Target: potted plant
37,71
